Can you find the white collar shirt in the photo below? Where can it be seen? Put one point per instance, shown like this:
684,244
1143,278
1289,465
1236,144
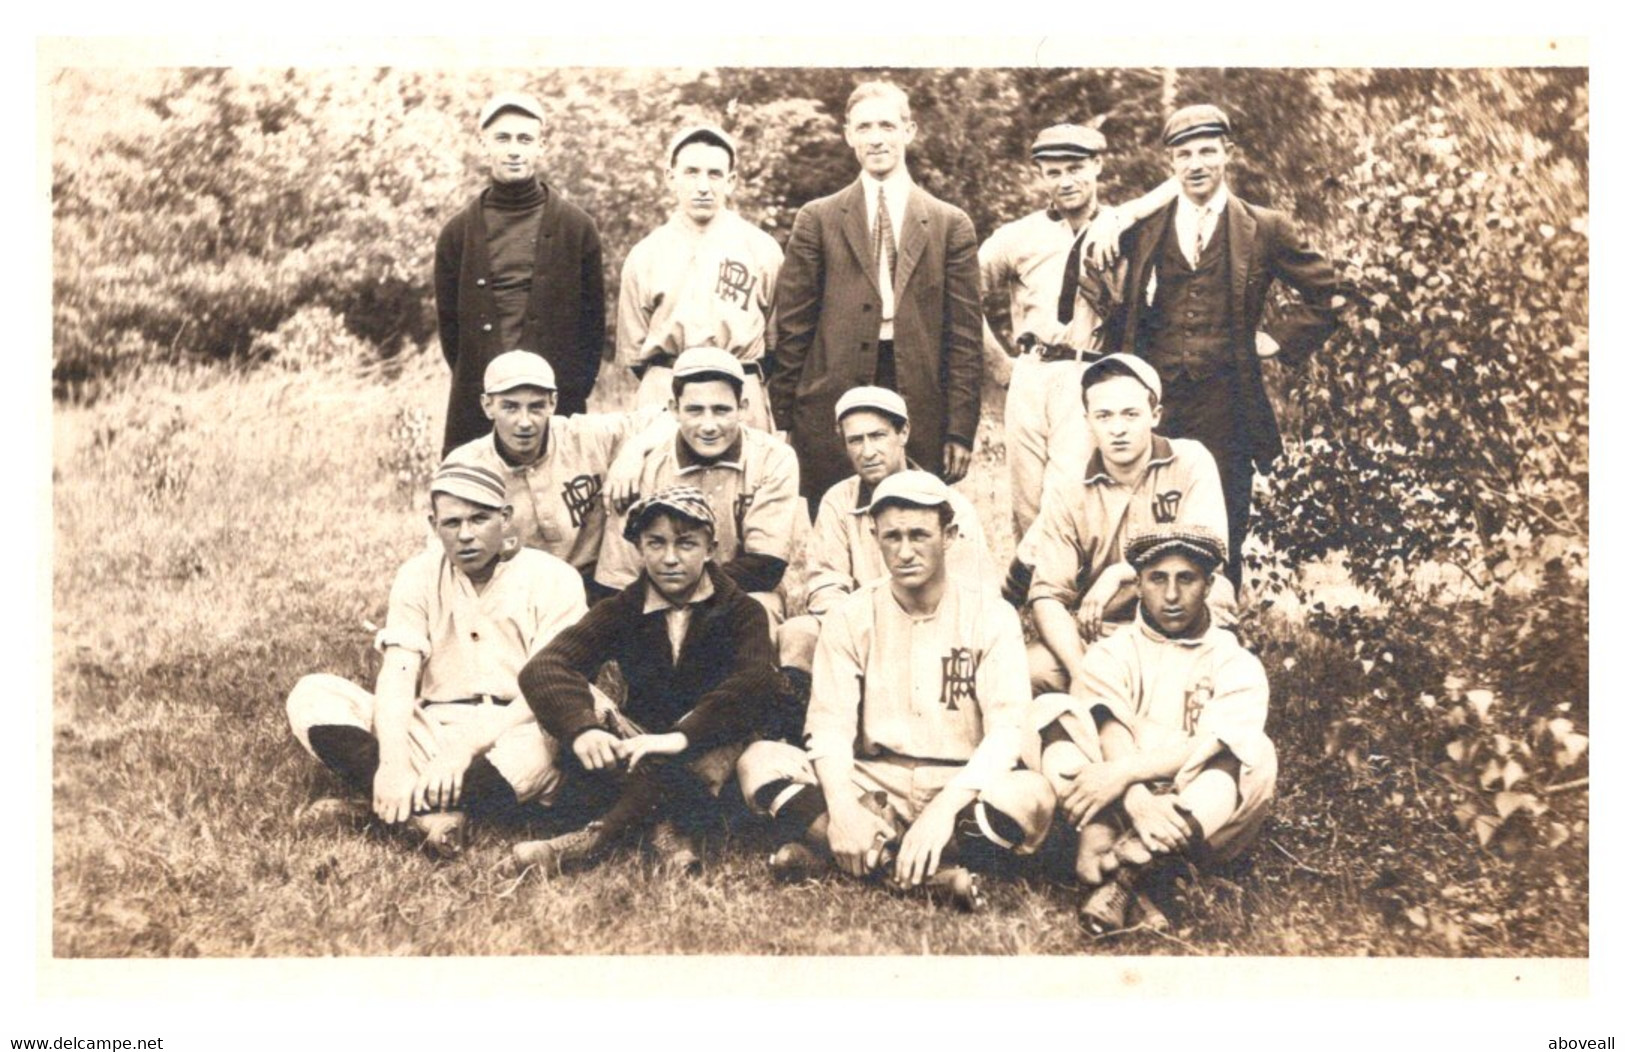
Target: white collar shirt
1190,217
677,617
896,187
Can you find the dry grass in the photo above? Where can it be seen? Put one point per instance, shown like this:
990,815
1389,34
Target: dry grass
203,567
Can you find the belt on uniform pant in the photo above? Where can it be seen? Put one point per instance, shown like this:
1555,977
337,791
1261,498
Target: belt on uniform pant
1054,352
478,699
665,360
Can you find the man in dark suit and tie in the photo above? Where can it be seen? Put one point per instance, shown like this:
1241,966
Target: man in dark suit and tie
1199,272
879,287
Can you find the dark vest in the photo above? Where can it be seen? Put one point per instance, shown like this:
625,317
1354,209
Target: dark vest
1187,331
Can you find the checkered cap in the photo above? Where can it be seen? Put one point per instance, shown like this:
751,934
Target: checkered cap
472,483
1193,121
1068,140
1147,545
683,501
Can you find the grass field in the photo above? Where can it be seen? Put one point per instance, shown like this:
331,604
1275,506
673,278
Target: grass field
218,537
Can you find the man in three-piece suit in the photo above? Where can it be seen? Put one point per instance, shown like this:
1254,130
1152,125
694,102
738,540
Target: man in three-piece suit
879,286
1199,271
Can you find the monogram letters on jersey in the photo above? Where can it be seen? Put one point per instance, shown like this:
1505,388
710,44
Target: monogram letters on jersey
1165,507
1196,699
959,667
735,283
741,505
579,496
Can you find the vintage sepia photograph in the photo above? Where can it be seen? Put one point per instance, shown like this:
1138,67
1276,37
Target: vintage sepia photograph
816,509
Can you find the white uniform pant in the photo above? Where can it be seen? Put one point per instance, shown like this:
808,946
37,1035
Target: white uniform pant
909,785
526,756
1042,397
1256,781
655,389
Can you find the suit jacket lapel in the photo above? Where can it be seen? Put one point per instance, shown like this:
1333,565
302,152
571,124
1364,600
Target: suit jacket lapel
1148,243
915,222
1147,247
1243,230
855,224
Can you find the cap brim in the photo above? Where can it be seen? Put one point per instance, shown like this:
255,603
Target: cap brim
524,381
1201,131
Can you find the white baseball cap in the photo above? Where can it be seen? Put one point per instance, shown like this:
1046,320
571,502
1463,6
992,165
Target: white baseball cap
883,399
697,360
1142,370
704,133
519,369
510,100
912,487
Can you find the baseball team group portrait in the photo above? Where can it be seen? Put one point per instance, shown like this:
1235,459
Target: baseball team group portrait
819,511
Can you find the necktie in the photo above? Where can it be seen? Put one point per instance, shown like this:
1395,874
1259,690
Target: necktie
1069,281
1201,236
885,238
1080,280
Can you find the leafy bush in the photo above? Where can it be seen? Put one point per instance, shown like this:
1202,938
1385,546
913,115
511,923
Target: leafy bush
1449,420
1443,458
310,338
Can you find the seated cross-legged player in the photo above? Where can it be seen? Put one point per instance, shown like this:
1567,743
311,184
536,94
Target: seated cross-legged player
694,652
842,554
440,737
1159,749
917,724
1083,587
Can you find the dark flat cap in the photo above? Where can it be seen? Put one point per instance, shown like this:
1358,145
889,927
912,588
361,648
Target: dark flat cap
1193,121
1068,140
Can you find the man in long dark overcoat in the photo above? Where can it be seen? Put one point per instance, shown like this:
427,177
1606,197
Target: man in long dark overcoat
519,268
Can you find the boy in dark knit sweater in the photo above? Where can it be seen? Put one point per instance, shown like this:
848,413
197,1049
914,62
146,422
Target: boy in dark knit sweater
700,677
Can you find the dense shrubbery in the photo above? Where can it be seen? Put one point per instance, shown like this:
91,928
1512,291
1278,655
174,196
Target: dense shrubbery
1444,455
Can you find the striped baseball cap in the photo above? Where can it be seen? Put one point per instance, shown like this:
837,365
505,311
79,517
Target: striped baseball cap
685,502
1147,545
472,483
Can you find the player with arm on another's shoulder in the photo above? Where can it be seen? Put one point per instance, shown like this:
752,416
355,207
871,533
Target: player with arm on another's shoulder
1083,586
